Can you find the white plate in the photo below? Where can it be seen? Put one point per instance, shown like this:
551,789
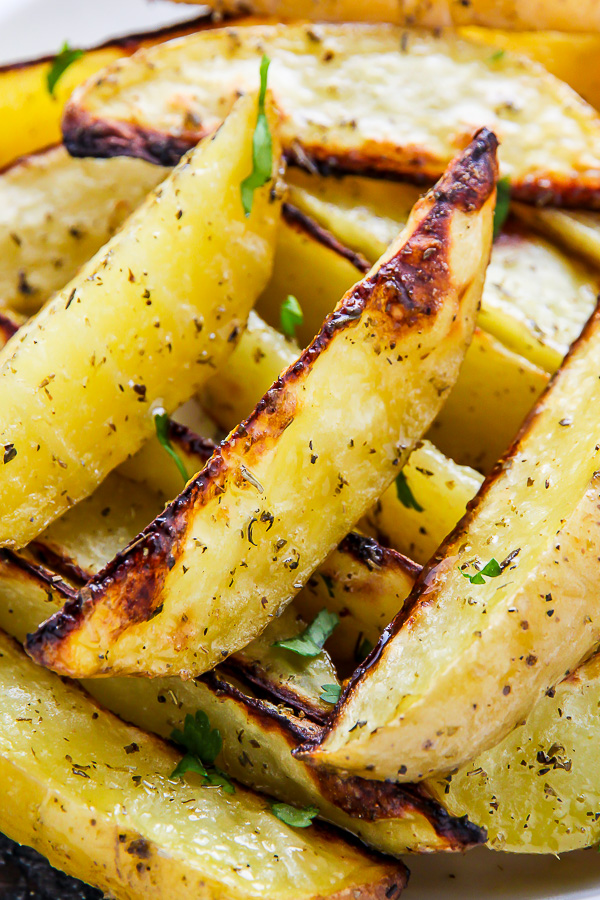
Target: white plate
34,27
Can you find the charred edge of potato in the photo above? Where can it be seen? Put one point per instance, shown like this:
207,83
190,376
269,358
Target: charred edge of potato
8,326
129,43
254,674
358,797
190,442
373,555
302,223
417,284
418,596
40,573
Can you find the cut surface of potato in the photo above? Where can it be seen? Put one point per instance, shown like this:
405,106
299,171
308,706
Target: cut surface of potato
538,791
422,97
73,774
140,327
246,534
468,657
30,116
55,213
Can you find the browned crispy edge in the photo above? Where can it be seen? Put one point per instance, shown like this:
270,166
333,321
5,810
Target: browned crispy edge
87,135
304,224
363,799
404,292
421,594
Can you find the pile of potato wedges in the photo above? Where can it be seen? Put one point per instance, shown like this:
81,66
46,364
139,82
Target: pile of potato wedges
300,441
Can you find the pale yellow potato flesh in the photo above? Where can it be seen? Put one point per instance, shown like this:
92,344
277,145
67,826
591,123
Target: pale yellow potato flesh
538,791
441,488
75,776
494,392
56,212
215,600
465,662
422,97
140,326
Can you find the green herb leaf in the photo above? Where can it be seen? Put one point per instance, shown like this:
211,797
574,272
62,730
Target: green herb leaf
262,146
291,815
65,58
161,423
363,648
502,204
311,641
290,316
203,745
491,569
497,55
405,495
189,763
331,693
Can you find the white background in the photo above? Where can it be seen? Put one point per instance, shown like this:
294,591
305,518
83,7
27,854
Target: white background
33,27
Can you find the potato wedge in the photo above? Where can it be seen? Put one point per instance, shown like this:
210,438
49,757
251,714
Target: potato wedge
405,328
257,736
30,116
142,324
537,791
398,124
55,213
113,790
466,660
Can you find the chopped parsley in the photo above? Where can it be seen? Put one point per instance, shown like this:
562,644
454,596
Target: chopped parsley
331,693
312,640
61,62
262,146
203,745
405,495
502,204
497,56
290,316
161,423
491,570
292,815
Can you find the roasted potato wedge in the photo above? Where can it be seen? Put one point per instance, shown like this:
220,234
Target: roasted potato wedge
55,213
147,105
142,324
258,737
576,230
30,116
405,329
153,836
468,657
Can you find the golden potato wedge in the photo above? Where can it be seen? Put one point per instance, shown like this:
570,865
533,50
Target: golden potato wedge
55,213
30,116
141,325
537,791
468,657
257,736
400,122
304,467
152,835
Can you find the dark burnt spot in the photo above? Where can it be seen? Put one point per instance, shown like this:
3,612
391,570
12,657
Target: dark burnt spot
304,224
190,442
140,848
8,327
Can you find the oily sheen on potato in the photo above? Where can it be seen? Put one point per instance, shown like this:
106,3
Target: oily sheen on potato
141,325
246,534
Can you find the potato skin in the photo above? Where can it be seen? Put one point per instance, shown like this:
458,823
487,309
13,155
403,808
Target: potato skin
141,325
